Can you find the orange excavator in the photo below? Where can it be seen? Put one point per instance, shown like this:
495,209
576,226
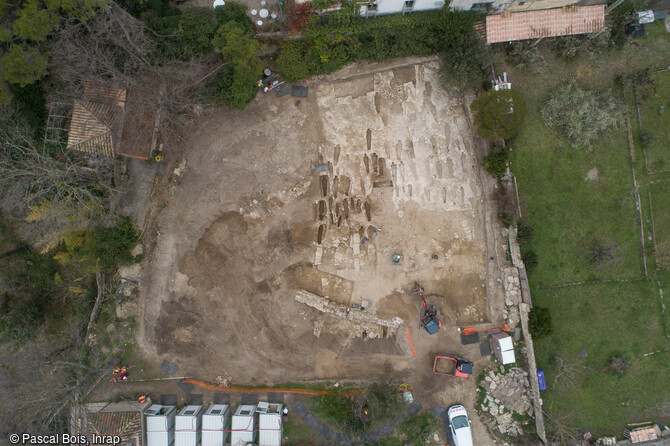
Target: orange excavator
429,319
472,330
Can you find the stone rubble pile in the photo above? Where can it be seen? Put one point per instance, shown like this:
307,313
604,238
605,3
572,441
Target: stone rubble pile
511,392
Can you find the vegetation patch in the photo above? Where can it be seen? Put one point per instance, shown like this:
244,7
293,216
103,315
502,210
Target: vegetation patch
586,235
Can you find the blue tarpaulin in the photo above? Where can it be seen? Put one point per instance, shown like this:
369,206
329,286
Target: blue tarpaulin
540,379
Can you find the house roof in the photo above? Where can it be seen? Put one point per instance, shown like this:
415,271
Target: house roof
123,419
138,138
568,20
97,120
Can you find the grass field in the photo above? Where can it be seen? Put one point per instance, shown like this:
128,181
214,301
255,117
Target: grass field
617,313
651,98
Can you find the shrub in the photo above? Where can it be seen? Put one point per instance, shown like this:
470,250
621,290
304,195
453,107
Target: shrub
334,50
647,138
101,249
524,232
338,410
384,401
398,35
529,257
291,61
504,218
619,364
498,114
522,55
112,246
496,163
567,47
539,322
582,116
417,429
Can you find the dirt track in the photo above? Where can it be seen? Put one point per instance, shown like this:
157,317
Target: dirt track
250,222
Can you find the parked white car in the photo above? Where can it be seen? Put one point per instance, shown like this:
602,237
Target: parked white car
460,426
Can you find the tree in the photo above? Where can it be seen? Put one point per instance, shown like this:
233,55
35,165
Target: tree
55,191
240,50
24,25
197,26
463,62
115,49
23,65
498,114
100,249
581,115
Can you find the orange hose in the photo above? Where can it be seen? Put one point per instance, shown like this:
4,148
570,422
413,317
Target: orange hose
409,339
217,387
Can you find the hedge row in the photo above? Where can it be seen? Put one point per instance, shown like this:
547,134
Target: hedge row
327,47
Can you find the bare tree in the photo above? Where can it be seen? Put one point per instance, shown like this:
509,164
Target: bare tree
56,191
118,50
559,427
567,372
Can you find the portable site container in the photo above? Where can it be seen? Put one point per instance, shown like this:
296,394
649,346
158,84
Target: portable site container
269,424
243,429
215,423
503,347
187,426
159,421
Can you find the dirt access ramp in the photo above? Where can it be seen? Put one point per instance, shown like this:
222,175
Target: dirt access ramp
250,222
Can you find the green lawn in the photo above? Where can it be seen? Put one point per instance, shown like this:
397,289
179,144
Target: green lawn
572,218
652,97
605,320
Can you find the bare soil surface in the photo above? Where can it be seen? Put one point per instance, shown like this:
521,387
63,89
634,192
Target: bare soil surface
250,222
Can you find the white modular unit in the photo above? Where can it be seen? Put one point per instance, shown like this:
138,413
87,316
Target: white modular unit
269,424
187,426
503,348
159,421
243,429
215,424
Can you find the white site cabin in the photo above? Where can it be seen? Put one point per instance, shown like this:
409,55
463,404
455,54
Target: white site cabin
215,424
160,421
243,429
187,426
269,424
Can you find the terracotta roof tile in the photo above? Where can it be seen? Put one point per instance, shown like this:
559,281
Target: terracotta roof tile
97,120
512,26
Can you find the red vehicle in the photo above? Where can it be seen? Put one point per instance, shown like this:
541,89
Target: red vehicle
452,365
